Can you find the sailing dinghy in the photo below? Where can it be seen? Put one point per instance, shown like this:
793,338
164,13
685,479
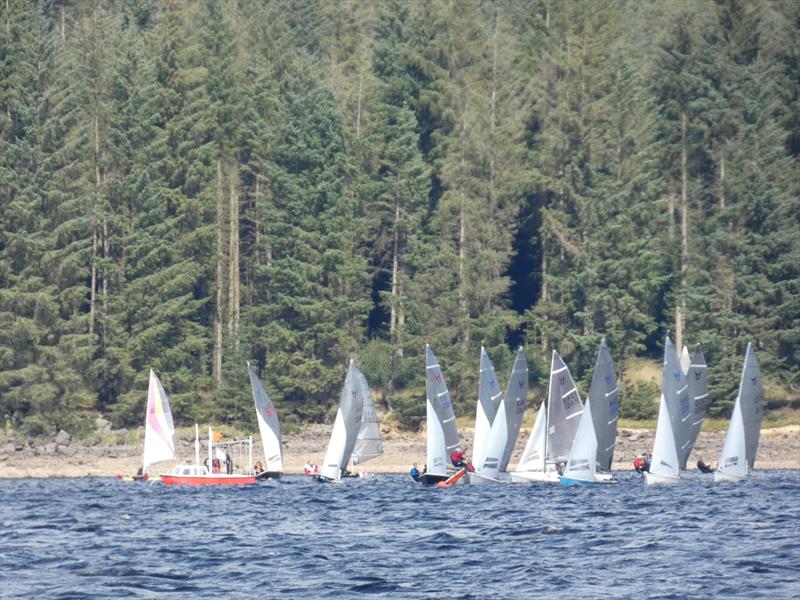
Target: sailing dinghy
368,441
268,427
345,429
489,399
560,417
741,442
159,430
505,428
442,435
593,447
672,427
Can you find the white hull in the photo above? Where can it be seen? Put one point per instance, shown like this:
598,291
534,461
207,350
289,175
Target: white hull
534,477
477,479
653,478
720,477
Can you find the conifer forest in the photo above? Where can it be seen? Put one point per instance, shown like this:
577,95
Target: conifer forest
188,185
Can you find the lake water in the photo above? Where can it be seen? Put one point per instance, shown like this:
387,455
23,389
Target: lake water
390,537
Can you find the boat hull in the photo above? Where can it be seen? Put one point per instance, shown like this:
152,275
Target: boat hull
534,477
570,481
213,479
269,475
655,479
478,479
722,477
431,479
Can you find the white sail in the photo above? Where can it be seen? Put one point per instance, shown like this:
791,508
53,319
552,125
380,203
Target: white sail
664,464
442,431
159,431
345,428
741,441
732,464
268,425
582,461
489,464
672,429
564,408
532,458
368,442
489,399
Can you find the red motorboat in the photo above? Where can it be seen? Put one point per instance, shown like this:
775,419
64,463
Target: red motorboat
224,459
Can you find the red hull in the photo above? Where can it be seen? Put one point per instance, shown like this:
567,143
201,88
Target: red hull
207,479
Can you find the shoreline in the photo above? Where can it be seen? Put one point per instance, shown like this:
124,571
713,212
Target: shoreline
779,448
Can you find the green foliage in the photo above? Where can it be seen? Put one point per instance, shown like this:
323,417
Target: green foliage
185,186
639,401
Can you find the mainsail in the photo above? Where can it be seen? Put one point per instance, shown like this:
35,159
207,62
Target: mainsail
159,431
604,398
514,401
368,442
442,430
489,398
268,425
697,375
564,408
345,428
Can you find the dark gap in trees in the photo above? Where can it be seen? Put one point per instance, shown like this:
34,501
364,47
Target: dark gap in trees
378,319
525,266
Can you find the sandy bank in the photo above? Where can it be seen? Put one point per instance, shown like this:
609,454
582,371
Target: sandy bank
779,448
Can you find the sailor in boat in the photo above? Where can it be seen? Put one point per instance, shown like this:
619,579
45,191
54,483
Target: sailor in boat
415,473
140,475
459,461
258,468
310,469
641,463
703,467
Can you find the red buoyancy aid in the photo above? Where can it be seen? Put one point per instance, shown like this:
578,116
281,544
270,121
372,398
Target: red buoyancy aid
457,456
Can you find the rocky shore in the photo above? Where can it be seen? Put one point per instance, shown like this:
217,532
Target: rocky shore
107,453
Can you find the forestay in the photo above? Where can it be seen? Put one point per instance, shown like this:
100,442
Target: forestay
368,442
159,431
345,428
442,430
268,425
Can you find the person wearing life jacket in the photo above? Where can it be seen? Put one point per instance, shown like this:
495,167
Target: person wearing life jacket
459,460
641,464
415,474
311,469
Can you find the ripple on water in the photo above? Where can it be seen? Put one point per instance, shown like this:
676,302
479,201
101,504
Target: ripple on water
387,537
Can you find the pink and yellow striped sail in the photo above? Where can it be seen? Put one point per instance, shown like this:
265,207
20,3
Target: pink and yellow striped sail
159,431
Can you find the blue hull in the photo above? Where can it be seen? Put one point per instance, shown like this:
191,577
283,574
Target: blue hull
569,481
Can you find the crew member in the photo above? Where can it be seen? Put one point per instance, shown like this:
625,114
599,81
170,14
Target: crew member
459,460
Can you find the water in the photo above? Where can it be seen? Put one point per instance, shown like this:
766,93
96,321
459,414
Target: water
389,537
